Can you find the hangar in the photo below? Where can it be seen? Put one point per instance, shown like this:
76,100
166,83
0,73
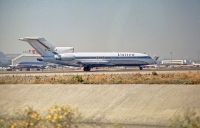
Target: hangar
25,57
175,62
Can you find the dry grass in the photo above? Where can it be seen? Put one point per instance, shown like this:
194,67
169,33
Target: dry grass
58,116
153,78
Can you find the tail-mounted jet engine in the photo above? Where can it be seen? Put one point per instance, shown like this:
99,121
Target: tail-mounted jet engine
65,56
62,50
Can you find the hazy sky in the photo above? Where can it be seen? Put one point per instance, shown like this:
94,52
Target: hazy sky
156,27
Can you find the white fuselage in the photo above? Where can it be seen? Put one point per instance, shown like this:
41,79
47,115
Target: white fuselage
101,59
67,56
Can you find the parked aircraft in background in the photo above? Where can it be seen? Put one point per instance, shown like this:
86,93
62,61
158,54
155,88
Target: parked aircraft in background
196,64
28,66
87,60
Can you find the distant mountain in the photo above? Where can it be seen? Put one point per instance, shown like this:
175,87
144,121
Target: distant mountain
2,55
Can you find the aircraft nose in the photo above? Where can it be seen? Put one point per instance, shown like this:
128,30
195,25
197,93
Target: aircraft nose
22,39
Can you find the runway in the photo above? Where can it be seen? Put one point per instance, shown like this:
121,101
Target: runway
80,72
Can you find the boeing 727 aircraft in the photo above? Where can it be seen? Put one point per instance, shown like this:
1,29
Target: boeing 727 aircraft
67,56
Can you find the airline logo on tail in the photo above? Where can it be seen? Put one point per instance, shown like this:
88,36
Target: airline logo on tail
41,45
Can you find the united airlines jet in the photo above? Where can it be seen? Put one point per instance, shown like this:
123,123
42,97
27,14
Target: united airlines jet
87,60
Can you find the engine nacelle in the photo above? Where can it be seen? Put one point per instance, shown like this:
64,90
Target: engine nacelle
62,50
67,56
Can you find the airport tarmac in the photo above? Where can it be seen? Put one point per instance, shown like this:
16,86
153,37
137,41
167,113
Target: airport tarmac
79,72
152,105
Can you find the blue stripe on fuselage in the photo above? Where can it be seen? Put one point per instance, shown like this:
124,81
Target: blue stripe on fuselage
111,57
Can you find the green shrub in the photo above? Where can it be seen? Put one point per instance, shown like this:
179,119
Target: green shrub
57,117
77,79
189,119
28,118
61,116
3,123
154,73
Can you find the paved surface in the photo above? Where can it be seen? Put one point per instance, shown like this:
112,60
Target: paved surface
128,104
18,73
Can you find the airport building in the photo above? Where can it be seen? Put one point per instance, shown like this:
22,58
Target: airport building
175,62
25,57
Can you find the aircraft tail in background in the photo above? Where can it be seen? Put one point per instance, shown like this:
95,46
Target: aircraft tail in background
41,45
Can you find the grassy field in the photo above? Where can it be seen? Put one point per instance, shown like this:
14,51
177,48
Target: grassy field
152,78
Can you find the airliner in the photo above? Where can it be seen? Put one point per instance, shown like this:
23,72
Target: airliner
87,60
30,65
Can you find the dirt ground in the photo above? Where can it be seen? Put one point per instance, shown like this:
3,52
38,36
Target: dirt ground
127,104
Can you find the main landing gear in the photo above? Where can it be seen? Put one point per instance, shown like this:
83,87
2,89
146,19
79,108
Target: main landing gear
87,69
141,68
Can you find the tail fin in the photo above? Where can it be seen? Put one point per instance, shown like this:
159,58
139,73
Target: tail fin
41,45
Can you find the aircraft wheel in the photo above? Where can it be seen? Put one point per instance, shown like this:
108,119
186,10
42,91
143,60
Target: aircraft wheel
86,69
141,68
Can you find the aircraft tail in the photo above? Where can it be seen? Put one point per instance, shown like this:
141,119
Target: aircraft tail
41,45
